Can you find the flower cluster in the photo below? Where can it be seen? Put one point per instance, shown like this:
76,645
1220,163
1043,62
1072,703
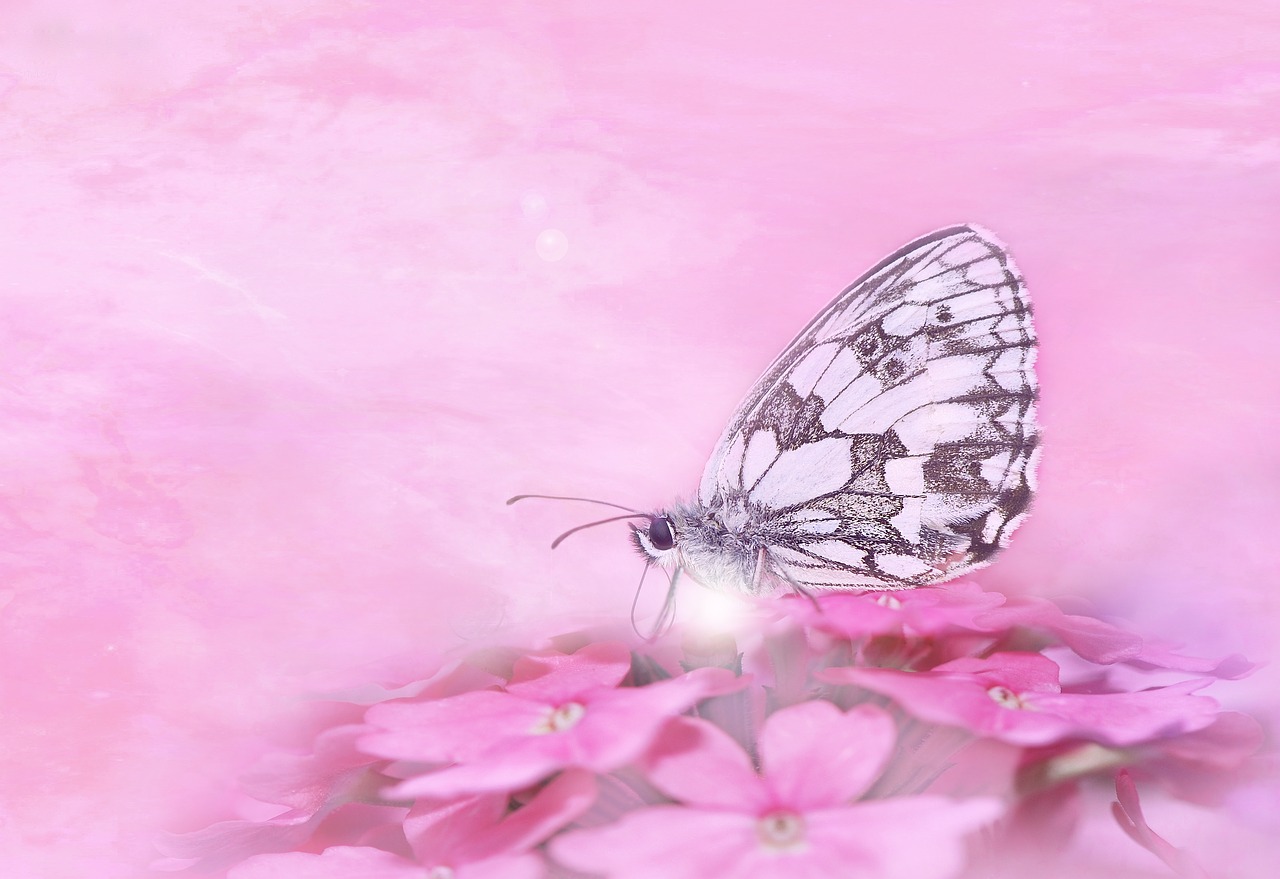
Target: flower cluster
914,734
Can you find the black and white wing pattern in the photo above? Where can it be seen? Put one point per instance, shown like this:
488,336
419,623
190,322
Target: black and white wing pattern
893,443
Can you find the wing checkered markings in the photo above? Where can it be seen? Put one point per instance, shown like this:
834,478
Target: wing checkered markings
922,369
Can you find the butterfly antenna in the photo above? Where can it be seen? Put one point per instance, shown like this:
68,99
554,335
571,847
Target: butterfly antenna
558,497
559,540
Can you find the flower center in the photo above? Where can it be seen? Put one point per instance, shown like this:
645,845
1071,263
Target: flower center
560,718
1006,698
889,601
781,831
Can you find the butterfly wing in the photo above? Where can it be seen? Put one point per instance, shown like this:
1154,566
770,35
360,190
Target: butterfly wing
892,443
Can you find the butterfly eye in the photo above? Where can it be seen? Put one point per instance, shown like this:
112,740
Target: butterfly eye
660,534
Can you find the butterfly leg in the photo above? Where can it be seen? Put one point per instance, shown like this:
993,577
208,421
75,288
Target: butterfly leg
758,575
796,587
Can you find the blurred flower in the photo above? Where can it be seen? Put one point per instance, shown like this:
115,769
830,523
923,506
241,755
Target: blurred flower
870,733
313,787
469,838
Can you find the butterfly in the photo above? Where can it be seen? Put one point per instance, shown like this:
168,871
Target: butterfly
892,444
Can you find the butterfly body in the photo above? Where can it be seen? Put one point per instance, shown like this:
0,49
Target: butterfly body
892,444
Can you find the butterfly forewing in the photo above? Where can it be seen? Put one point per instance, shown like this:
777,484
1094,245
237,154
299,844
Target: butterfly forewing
891,443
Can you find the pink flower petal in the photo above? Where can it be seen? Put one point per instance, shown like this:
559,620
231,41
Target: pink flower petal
1130,718
668,841
945,608
556,678
850,616
621,723
229,841
457,728
478,828
1038,825
314,785
1204,766
899,838
338,862
528,866
1020,672
1157,655
1091,638
814,756
1128,814
440,833
562,801
361,824
308,781
925,611
508,771
697,763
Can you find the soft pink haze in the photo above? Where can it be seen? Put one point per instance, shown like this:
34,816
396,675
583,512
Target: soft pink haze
296,293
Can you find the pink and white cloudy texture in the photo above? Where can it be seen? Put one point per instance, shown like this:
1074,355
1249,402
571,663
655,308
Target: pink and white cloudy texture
294,294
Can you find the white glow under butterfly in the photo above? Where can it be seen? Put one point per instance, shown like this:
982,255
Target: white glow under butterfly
891,445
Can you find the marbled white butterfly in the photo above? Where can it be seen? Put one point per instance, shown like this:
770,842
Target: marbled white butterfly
891,445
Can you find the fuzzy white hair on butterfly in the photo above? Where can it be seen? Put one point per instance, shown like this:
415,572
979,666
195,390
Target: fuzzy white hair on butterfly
891,445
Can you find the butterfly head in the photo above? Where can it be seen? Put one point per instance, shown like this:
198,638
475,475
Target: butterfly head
693,539
657,539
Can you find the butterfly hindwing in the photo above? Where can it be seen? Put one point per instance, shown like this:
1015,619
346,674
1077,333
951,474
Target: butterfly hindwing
891,443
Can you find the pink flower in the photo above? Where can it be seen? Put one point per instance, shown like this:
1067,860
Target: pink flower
471,838
1016,697
795,818
558,711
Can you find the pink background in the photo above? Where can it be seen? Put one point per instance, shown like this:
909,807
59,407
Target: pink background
295,294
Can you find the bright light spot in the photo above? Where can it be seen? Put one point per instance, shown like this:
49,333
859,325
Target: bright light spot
709,611
552,245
